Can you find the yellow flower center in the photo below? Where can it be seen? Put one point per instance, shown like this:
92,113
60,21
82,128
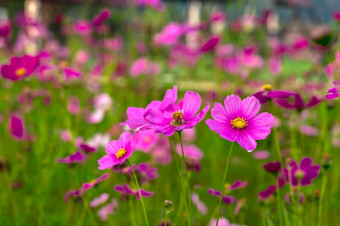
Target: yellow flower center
63,64
177,118
120,153
239,123
226,186
20,72
267,87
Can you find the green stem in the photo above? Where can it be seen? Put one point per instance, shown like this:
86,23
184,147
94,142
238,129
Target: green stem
323,187
140,194
224,178
186,173
180,178
166,217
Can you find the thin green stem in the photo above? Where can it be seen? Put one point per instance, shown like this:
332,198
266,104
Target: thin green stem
224,178
323,187
166,217
140,194
180,177
186,172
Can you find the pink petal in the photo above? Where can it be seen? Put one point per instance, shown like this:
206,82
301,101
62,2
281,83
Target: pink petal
250,107
232,105
192,103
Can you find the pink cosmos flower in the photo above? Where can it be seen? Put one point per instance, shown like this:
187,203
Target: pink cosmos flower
107,209
199,204
82,28
73,105
125,190
20,67
135,115
169,35
238,121
118,150
147,140
66,135
177,117
192,154
99,200
77,157
16,127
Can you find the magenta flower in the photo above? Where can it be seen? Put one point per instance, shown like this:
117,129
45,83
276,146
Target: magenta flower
336,16
238,121
101,17
226,199
272,167
267,192
76,157
261,155
20,67
302,173
87,148
136,119
333,93
16,127
210,44
237,185
177,117
118,150
169,35
82,28
298,102
125,190
85,186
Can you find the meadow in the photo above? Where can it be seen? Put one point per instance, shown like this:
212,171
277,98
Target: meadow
133,118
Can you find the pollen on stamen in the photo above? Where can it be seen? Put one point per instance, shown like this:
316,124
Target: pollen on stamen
120,153
239,123
20,71
177,118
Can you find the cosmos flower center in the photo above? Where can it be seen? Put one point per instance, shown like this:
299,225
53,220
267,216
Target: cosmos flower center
267,87
20,71
120,153
177,118
299,174
226,186
239,123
